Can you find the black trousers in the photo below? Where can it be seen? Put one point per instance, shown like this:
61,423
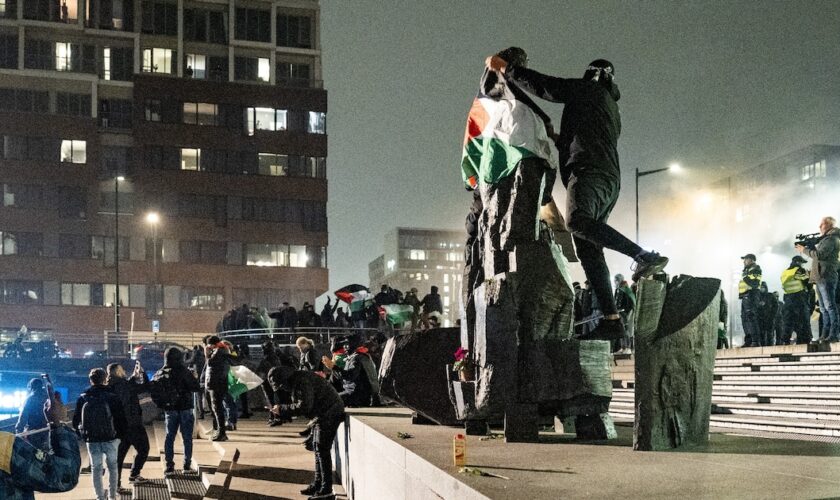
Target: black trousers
750,304
134,436
797,317
590,198
323,435
217,397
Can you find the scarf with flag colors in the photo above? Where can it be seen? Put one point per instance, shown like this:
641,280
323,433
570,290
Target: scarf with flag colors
503,127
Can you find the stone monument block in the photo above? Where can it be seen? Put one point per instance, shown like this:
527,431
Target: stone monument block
676,338
410,362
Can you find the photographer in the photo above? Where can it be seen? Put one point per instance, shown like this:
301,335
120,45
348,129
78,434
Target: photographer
129,390
314,398
824,257
25,469
216,380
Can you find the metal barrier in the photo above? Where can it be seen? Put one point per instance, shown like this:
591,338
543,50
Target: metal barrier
288,336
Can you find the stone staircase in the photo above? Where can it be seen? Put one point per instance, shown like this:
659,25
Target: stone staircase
779,392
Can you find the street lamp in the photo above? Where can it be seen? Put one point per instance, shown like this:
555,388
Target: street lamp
674,167
153,218
117,181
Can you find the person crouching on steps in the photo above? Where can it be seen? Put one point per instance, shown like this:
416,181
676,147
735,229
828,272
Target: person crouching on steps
314,398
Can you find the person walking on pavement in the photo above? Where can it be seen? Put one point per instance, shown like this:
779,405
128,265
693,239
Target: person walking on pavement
589,169
796,309
128,390
824,268
749,292
181,384
100,421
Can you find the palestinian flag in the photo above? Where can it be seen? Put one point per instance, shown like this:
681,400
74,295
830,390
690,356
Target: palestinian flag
501,131
397,314
357,296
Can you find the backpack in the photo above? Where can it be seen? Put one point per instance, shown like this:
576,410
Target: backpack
164,390
97,422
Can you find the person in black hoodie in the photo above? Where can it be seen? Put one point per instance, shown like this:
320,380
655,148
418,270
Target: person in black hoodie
589,169
128,391
100,420
314,398
179,414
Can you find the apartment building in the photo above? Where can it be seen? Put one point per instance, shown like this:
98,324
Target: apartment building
168,152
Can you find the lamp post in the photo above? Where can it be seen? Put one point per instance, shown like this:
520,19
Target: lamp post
117,181
153,218
674,167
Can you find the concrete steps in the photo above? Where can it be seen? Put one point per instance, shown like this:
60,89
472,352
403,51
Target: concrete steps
791,392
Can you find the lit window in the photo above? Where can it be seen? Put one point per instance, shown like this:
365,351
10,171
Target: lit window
200,113
152,110
297,256
446,278
157,60
63,56
417,254
446,301
265,255
75,294
109,295
73,151
106,63
317,122
820,170
190,159
196,66
9,244
391,264
273,164
263,69
266,119
454,256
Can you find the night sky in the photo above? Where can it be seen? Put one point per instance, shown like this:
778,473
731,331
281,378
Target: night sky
716,86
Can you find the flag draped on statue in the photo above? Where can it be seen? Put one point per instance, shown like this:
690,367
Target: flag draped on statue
502,130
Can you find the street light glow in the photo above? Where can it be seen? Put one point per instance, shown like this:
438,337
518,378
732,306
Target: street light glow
120,178
675,167
152,218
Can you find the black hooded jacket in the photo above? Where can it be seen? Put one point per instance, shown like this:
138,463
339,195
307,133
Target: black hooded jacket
128,390
312,396
591,121
179,375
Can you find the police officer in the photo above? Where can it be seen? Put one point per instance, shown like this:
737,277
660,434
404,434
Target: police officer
796,311
750,294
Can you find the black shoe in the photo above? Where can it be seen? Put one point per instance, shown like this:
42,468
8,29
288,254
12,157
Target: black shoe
275,423
323,496
231,427
309,490
220,437
306,432
607,329
170,469
138,478
187,466
648,264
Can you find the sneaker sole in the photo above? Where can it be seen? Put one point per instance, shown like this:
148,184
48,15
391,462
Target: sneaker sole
650,271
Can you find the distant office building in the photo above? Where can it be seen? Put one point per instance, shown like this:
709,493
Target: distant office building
420,258
213,114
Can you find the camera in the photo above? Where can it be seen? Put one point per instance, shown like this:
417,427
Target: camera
807,240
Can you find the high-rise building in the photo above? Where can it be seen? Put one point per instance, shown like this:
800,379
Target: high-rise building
421,258
210,114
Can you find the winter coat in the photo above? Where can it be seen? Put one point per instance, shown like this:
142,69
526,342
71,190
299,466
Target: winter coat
185,383
114,403
312,396
590,124
218,366
310,361
431,303
27,469
825,257
128,391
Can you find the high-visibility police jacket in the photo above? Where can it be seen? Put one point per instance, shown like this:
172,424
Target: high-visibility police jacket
750,279
794,279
